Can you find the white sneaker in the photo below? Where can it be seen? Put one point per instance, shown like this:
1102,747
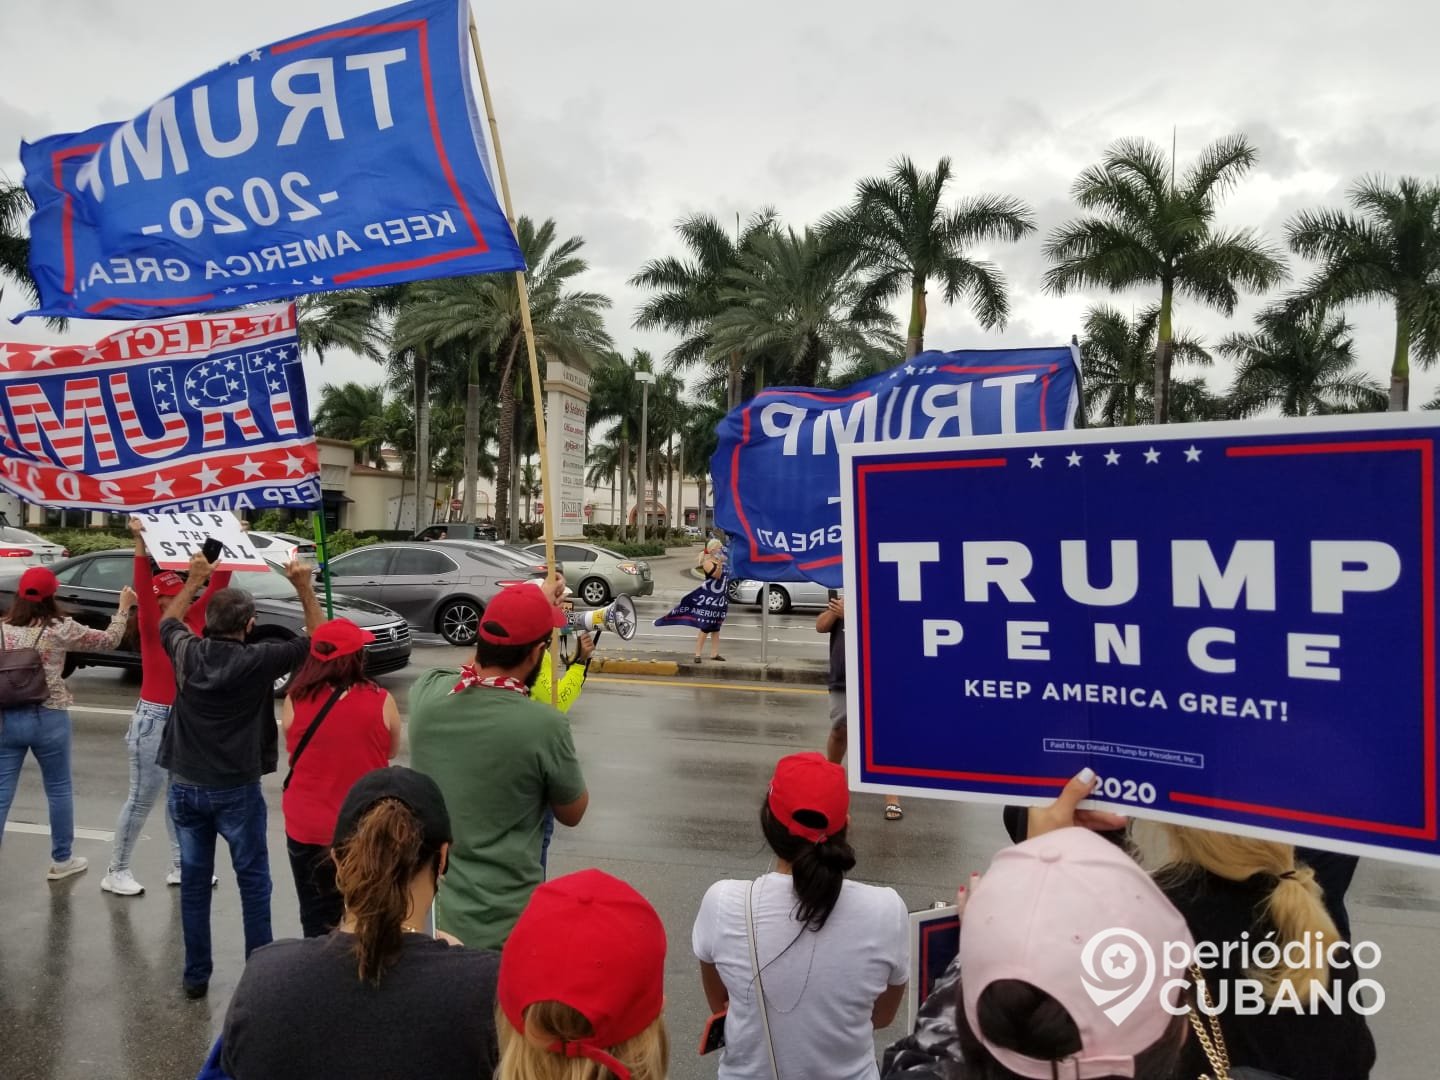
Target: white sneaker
121,883
173,878
68,868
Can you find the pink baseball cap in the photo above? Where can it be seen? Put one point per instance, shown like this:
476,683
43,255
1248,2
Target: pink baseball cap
1071,914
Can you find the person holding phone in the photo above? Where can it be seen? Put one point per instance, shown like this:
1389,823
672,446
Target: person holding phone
147,723
378,996
220,739
832,621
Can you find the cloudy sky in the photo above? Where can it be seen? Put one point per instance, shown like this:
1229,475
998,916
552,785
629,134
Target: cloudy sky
620,117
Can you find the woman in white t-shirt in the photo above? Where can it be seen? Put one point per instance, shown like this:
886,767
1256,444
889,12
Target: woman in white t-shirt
833,955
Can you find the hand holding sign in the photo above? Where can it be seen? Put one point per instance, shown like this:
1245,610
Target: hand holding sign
174,539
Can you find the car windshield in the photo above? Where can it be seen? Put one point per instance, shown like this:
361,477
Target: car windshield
20,536
270,585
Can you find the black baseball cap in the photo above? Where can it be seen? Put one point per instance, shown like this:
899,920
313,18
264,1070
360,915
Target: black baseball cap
416,790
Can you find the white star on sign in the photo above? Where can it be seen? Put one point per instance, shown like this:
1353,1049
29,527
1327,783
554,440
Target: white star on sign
162,487
1192,454
194,402
234,62
91,353
1036,461
274,385
255,54
44,355
208,477
250,468
293,464
252,286
228,291
317,281
234,384
1152,456
5,356
189,384
296,281
1112,458
909,369
229,365
163,406
1074,459
270,364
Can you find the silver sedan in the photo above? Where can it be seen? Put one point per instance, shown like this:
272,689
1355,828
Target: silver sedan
784,595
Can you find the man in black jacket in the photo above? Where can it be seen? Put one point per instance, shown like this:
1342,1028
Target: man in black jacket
221,738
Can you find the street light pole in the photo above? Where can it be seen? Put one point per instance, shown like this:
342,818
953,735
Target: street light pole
644,378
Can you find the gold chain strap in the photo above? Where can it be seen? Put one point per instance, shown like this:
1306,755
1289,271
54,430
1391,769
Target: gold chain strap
1212,1041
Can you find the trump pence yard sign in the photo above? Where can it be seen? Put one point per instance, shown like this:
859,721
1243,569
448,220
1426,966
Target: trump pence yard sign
1230,623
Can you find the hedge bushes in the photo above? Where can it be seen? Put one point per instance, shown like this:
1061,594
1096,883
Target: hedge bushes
647,550
84,541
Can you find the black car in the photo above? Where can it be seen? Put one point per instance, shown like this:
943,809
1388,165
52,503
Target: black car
90,589
458,530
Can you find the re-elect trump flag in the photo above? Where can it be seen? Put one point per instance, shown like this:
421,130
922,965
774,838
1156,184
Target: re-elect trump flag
194,414
777,469
347,156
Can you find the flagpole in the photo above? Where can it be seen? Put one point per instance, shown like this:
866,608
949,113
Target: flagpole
322,551
523,291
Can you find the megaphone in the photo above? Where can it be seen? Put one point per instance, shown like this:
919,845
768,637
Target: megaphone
618,617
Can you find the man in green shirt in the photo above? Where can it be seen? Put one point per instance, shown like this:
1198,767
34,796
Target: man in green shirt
501,760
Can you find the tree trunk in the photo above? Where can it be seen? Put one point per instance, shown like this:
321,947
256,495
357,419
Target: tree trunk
700,512
422,437
670,482
1163,349
400,509
732,390
678,510
513,531
507,433
1400,369
915,338
472,440
624,480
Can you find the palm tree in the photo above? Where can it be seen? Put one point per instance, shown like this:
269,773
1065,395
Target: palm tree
615,397
1147,230
341,320
1303,365
688,291
905,237
15,211
357,414
797,300
702,418
1389,249
1119,365
1192,400
481,314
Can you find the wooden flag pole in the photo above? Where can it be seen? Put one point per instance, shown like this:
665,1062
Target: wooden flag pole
537,390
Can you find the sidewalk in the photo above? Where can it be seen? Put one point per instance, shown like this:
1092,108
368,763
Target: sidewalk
788,669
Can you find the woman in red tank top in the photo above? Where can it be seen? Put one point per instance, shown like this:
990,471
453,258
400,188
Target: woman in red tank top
358,730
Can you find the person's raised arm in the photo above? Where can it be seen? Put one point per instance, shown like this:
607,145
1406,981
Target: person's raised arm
147,605
302,576
200,568
220,579
832,616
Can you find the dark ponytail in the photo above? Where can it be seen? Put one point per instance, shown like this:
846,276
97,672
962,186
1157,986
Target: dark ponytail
373,870
817,870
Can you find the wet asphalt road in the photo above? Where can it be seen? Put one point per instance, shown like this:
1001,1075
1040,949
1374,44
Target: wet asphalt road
90,983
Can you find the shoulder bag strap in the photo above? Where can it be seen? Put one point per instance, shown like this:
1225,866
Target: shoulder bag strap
759,982
310,733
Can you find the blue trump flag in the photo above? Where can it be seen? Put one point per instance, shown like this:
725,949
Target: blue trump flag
195,414
777,476
1219,619
348,156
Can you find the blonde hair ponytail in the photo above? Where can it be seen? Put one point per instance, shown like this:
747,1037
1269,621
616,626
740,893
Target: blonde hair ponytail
1295,906
526,1055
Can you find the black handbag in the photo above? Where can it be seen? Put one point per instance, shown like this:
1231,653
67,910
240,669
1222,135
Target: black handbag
22,674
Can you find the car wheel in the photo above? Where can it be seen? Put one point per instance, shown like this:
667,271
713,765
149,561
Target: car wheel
282,684
459,622
779,600
733,591
595,592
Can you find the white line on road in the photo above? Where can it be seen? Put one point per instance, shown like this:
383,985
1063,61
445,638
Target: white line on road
44,830
102,710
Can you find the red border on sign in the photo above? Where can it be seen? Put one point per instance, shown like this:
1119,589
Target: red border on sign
1430,830
938,926
421,27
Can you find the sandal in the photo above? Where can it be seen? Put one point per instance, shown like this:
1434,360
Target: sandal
718,657
697,659
893,812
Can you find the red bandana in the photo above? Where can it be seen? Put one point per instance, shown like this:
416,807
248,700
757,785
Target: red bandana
469,677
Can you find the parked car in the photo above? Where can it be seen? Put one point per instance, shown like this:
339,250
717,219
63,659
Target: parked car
598,574
458,530
21,548
439,587
90,588
784,595
279,548
693,531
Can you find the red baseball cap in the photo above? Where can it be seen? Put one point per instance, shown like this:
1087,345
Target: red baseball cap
167,583
343,637
591,942
520,615
808,782
38,583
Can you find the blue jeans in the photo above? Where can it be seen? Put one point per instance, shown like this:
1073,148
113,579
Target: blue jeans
237,814
46,734
147,781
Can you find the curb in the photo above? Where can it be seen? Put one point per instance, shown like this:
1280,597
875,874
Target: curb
817,676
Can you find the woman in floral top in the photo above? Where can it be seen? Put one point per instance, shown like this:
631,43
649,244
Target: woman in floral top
35,622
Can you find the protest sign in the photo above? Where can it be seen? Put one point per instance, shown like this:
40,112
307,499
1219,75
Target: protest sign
934,942
1232,624
187,415
171,539
777,481
346,156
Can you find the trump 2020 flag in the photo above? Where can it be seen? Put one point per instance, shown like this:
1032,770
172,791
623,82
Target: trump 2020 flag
777,469
344,157
194,414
